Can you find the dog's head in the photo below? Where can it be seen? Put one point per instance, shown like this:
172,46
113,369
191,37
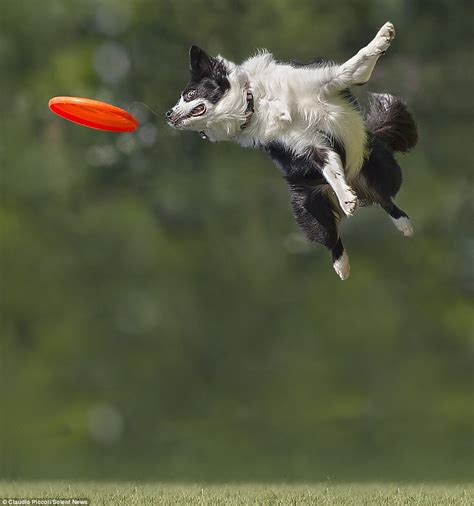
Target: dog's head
208,84
213,102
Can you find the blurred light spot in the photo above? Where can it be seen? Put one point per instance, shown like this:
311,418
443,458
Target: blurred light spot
102,155
126,143
21,103
138,163
295,243
126,326
172,201
111,62
137,314
147,134
105,423
112,18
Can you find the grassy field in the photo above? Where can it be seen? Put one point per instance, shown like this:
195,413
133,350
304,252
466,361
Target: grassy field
233,494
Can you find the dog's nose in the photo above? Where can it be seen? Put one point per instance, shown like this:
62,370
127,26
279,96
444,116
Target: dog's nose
169,113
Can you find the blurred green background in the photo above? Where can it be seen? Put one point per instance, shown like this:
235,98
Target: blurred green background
162,317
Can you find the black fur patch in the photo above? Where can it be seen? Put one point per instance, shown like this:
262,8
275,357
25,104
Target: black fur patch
207,88
208,76
391,128
381,171
337,250
314,214
390,120
394,211
303,169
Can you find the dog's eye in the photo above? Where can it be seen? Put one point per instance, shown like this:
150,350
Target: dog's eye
190,94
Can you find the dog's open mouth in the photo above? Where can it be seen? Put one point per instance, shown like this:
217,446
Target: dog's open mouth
179,121
199,110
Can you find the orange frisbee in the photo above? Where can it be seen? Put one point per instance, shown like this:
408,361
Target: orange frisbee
93,114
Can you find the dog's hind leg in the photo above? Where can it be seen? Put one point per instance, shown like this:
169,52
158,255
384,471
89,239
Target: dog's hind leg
319,222
399,217
358,69
382,177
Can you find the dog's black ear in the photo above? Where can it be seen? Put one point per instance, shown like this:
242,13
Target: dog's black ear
200,62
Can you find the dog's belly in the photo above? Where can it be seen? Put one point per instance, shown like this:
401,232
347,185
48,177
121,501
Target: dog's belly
314,120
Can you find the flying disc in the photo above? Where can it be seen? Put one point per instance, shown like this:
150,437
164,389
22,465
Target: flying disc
93,114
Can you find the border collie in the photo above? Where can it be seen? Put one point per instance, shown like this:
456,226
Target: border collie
333,156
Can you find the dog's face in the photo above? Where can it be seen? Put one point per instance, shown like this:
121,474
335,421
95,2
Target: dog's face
208,84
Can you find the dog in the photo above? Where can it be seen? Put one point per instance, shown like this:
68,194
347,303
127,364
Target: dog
333,156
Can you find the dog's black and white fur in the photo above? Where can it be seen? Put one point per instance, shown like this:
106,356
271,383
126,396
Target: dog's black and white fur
304,116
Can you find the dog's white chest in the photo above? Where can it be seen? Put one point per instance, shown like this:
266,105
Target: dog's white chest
291,109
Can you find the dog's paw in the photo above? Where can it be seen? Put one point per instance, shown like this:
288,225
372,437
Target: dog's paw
342,266
404,225
349,202
384,37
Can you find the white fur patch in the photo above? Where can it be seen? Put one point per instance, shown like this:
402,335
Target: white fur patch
404,225
291,107
342,266
333,172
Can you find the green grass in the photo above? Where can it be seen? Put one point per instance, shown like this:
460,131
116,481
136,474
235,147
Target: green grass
236,494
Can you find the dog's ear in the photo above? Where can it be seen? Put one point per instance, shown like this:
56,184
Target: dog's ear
200,62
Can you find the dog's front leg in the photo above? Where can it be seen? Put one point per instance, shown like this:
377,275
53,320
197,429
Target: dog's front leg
359,68
333,171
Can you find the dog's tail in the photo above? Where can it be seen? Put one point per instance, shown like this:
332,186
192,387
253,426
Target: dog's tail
389,119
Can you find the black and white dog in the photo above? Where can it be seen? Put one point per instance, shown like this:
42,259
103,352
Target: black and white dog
304,116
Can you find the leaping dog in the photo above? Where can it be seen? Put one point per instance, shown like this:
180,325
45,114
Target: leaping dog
332,155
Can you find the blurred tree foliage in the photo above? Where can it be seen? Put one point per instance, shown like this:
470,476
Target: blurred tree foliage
161,317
